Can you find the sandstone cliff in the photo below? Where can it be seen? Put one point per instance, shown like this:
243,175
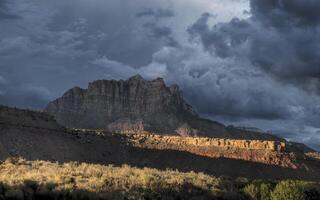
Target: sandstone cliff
136,105
267,152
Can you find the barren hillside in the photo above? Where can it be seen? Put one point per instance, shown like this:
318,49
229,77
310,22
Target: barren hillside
35,135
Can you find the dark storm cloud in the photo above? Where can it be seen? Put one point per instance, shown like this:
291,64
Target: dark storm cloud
154,29
280,37
25,96
162,33
217,41
250,105
281,13
159,13
5,12
225,88
120,36
30,98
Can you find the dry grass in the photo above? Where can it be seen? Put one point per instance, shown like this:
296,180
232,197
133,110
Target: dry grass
21,179
104,182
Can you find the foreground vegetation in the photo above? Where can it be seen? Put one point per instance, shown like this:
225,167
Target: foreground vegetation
21,179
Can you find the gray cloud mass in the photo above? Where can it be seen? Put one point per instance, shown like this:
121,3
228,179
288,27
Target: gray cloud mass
281,37
5,11
245,62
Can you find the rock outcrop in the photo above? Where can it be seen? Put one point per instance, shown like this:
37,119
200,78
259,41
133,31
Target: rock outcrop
267,152
138,105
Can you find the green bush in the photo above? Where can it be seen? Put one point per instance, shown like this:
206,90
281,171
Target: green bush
253,191
289,190
265,191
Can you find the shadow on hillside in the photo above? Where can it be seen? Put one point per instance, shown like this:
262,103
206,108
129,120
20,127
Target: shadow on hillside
185,161
115,150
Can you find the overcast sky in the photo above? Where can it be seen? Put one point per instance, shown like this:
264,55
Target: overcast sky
244,62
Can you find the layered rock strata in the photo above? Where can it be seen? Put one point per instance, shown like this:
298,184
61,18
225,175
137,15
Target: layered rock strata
267,152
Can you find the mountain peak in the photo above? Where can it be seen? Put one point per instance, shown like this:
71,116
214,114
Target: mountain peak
137,105
118,105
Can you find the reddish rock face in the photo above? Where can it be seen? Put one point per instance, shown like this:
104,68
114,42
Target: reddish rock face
140,105
267,152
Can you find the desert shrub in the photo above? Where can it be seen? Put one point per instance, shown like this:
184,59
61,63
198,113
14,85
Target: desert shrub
259,190
241,182
289,190
265,191
253,191
286,190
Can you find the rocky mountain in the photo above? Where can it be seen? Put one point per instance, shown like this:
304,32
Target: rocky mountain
136,105
37,136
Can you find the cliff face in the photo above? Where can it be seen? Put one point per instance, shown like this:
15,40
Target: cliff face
134,104
137,105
